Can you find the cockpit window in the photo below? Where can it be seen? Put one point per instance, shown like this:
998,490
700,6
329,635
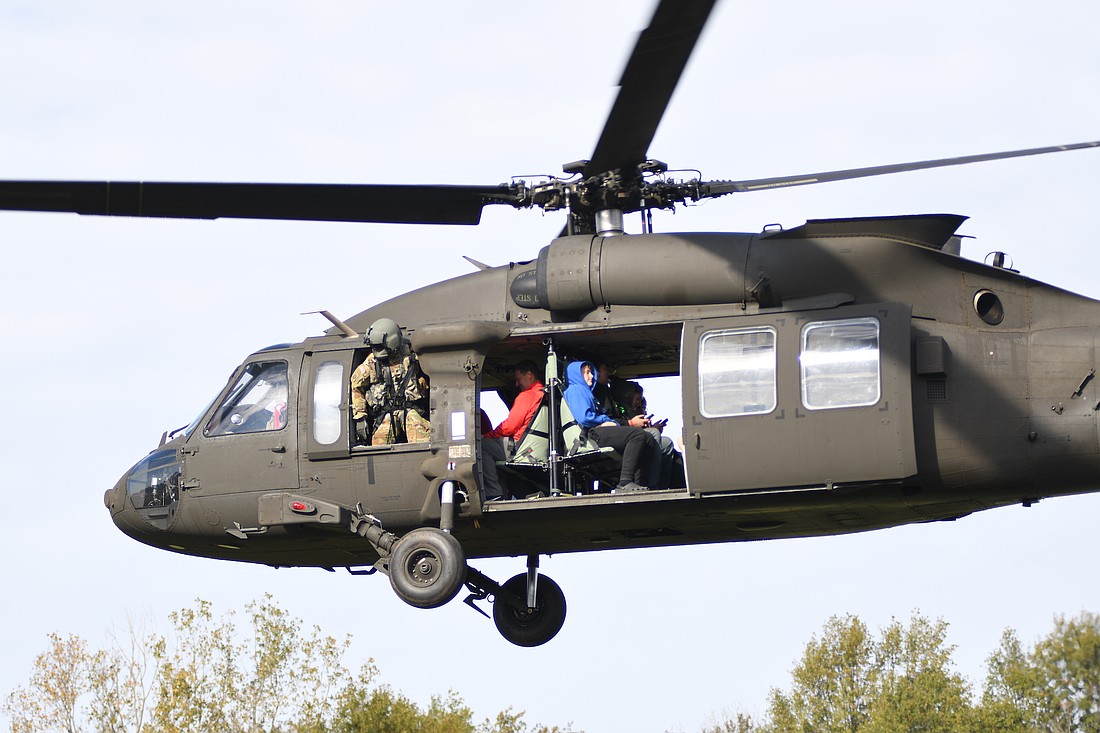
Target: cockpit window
194,423
257,402
154,487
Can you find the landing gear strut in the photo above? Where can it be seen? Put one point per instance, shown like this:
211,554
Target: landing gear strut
528,610
526,625
427,568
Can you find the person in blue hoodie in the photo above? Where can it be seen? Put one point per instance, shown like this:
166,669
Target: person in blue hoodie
632,443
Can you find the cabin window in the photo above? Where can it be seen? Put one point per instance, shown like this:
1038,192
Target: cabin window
839,364
328,389
737,372
256,403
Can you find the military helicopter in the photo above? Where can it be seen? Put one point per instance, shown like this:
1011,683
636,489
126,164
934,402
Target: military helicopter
904,383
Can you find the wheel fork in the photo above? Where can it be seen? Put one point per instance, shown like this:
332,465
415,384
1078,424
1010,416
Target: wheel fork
481,586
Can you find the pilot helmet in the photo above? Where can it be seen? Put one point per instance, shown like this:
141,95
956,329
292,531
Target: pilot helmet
384,337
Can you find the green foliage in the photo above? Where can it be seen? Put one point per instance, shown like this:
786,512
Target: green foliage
120,680
205,676
831,687
1007,704
903,680
50,700
381,710
739,723
915,687
1055,686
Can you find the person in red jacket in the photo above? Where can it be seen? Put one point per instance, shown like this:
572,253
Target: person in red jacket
523,410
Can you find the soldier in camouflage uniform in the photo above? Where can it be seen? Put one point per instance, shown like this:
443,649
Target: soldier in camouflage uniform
389,394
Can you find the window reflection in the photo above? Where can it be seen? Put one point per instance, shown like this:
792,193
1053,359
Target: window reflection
737,372
840,364
328,389
257,402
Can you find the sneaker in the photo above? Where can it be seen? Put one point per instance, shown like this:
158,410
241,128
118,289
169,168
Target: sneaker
628,488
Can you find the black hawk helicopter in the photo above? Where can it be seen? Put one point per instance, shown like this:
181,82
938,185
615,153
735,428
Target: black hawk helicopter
845,375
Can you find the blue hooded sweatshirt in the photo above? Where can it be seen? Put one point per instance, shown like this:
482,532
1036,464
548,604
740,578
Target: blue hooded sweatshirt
578,395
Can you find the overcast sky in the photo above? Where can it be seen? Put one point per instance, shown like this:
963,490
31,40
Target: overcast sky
114,330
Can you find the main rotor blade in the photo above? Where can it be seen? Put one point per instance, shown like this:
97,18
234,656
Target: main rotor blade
404,204
650,77
718,188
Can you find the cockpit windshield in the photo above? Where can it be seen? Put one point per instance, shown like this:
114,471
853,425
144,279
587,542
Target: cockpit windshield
256,403
190,428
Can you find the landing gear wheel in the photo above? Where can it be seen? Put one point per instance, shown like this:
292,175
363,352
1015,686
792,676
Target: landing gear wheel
529,626
427,568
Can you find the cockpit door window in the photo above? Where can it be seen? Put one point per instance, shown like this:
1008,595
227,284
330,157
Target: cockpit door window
257,403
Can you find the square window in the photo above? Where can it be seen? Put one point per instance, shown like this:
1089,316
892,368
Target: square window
737,372
839,364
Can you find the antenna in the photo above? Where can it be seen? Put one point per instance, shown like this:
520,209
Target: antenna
344,328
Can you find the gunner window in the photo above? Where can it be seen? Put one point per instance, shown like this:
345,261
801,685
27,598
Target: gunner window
328,386
257,402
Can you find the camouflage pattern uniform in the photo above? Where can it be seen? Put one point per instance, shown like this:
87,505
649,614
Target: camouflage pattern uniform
381,415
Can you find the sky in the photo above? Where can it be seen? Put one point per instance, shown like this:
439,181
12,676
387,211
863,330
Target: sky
114,330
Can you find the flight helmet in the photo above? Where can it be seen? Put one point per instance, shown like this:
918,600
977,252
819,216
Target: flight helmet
384,337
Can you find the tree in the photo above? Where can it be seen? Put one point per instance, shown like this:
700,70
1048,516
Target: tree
915,687
903,680
831,689
1055,686
198,677
849,681
381,710
121,680
206,676
50,701
739,723
1007,703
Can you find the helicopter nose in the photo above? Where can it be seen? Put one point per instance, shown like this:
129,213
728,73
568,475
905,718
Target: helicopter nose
113,497
123,512
144,501
124,516
115,501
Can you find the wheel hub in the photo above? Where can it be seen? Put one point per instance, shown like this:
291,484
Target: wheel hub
424,568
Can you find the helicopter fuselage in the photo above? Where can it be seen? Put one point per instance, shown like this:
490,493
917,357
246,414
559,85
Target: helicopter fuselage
842,376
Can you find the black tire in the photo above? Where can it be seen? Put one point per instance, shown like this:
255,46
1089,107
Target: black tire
529,626
427,568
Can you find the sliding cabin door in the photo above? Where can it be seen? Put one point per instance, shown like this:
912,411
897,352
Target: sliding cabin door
798,399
